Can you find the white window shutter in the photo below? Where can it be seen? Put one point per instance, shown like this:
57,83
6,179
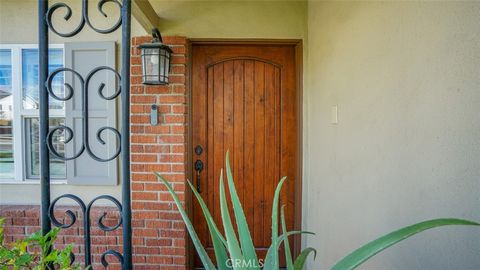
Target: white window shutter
83,58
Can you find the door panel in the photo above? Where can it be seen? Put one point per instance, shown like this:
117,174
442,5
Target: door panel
244,100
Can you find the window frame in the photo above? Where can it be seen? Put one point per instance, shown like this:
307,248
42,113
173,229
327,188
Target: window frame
20,115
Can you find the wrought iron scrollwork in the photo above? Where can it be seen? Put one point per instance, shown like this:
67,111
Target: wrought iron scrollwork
69,133
85,210
47,16
112,252
85,18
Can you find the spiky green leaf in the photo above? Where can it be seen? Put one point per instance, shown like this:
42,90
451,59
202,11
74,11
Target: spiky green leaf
288,254
206,261
359,256
219,243
232,241
248,249
271,260
302,258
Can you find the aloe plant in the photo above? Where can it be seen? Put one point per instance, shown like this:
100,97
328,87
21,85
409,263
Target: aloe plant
241,249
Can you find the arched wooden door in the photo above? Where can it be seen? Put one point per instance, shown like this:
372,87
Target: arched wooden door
244,99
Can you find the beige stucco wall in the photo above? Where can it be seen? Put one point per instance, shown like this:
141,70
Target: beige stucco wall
405,77
233,18
19,22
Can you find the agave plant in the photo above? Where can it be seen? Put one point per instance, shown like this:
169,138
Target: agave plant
241,250
232,252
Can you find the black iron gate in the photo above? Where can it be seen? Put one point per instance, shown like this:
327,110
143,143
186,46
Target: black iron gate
47,148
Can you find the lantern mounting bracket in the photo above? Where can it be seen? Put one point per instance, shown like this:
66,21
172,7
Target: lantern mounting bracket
157,37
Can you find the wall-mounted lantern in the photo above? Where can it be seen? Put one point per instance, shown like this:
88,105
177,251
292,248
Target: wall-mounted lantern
155,60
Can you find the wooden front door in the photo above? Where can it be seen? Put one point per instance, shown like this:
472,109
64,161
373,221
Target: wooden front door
244,99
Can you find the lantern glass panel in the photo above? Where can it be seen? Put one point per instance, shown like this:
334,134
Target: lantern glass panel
151,64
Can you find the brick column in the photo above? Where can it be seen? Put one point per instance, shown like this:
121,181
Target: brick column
159,236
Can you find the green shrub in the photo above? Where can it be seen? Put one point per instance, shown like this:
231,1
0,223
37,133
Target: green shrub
35,252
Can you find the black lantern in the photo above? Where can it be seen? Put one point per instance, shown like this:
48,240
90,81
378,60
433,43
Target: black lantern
155,60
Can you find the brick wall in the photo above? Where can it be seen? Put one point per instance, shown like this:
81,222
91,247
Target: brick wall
159,240
159,236
22,220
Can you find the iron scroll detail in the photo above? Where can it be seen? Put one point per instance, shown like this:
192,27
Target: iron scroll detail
48,16
69,134
85,211
85,17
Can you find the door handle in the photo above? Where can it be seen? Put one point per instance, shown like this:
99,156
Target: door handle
198,169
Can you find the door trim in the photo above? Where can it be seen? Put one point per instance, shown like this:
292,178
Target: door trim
299,81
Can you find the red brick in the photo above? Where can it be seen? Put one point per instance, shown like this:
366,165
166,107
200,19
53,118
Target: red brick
173,251
143,99
157,89
140,119
155,187
135,80
178,59
178,149
157,205
137,109
136,70
174,40
176,79
137,130
141,40
137,187
14,230
176,99
143,139
175,119
135,50
143,177
179,49
158,242
159,129
168,197
144,196
136,148
32,212
172,158
157,149
143,158
171,138
177,69
178,129
25,221
160,260
135,60
178,167
158,167
144,215
146,232
179,89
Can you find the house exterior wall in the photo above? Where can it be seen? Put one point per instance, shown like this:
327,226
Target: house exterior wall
406,148
18,25
265,19
159,237
191,19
